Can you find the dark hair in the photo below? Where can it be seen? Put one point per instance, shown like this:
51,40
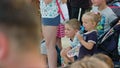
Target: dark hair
20,17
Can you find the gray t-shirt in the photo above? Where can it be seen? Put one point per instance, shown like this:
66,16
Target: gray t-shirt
108,16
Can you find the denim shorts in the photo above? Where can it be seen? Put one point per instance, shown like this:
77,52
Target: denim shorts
51,21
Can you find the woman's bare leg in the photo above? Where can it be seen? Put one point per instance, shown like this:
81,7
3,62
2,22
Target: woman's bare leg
49,33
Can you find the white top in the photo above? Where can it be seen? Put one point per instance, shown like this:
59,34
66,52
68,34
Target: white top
48,10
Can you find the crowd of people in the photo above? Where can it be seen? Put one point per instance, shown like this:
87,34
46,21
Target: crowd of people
94,16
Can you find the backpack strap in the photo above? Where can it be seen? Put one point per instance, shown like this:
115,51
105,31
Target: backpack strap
59,10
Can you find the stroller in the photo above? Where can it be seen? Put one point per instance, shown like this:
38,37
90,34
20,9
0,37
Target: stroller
113,2
108,43
115,6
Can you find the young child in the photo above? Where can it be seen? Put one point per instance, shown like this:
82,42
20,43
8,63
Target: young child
71,28
106,13
89,39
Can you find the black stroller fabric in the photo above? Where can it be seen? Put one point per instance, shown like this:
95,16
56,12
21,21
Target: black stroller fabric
108,43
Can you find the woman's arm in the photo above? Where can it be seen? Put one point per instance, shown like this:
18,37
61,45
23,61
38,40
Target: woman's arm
64,1
47,1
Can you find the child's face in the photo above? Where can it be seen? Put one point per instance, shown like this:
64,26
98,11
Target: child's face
69,31
87,24
97,2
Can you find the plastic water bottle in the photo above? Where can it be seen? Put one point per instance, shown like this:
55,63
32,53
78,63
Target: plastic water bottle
82,28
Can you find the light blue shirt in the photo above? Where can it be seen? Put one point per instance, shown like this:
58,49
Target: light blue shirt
75,42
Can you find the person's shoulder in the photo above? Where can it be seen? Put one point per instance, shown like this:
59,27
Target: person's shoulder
92,32
109,13
108,10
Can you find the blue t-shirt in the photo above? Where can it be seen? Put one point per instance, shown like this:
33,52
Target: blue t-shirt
88,37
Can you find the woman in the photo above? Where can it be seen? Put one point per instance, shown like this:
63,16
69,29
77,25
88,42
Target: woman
50,22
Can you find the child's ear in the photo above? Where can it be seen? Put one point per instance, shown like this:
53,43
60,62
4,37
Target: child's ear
94,24
3,45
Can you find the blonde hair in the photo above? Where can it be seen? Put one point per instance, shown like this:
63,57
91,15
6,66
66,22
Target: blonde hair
105,59
92,16
89,62
74,23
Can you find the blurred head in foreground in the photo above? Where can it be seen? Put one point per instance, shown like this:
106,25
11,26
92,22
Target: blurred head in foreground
19,35
89,62
105,59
